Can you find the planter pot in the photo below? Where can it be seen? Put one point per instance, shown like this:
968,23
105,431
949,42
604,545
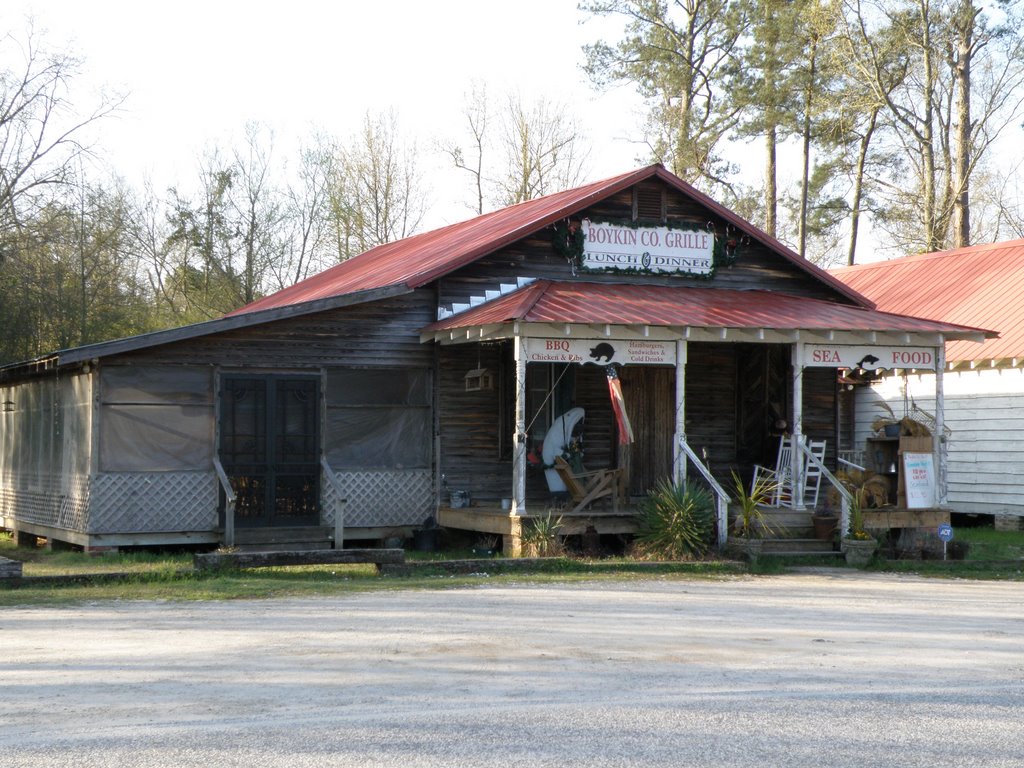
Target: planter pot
859,551
750,549
891,430
824,526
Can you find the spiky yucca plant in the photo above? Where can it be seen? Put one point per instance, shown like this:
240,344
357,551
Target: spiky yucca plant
676,520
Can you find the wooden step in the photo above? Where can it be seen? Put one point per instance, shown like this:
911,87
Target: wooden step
291,539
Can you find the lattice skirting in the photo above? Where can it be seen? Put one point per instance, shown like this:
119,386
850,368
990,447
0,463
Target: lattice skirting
59,503
381,499
153,502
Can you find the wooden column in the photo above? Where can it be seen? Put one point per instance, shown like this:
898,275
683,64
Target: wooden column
519,437
798,424
941,448
678,456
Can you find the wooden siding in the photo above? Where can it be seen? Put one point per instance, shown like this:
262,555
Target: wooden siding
711,404
534,256
984,410
382,333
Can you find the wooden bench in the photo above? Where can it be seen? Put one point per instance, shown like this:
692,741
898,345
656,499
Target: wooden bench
216,560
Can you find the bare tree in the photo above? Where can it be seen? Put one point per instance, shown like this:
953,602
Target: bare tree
377,191
471,159
41,132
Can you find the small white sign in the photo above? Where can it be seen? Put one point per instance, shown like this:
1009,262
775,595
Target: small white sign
919,480
647,249
600,351
868,358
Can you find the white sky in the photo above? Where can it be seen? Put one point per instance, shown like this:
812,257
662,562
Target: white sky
196,72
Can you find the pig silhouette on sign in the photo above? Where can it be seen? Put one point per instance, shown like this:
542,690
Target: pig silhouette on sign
605,350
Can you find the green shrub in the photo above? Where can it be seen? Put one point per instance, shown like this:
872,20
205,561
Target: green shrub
676,521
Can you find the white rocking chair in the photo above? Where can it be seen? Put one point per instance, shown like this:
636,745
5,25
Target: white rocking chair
781,475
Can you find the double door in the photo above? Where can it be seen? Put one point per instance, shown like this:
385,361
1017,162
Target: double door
270,448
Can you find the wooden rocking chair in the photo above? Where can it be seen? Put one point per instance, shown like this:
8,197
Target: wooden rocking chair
587,487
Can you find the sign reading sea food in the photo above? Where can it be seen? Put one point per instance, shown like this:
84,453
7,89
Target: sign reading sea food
600,351
868,358
647,249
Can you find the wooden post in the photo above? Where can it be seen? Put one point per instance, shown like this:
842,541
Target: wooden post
519,437
798,425
941,448
679,456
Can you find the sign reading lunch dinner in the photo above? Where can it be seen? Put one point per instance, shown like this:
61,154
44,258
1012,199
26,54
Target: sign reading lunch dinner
647,249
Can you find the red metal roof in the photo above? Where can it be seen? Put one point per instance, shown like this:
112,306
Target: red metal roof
420,259
979,286
604,303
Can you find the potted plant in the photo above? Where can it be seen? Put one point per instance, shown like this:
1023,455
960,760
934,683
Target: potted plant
751,523
858,545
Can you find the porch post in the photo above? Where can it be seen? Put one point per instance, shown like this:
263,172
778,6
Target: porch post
519,438
798,425
678,456
940,447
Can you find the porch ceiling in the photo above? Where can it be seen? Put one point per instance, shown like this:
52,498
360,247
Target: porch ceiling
589,310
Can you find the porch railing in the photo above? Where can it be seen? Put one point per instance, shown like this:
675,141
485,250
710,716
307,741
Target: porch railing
721,497
229,503
339,504
845,497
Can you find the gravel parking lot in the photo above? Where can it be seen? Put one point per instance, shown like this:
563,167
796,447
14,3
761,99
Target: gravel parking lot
829,668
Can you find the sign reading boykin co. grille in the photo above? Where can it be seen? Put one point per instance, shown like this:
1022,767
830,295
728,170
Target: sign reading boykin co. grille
647,249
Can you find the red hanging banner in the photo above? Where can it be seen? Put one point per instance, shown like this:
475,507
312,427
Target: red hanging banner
619,406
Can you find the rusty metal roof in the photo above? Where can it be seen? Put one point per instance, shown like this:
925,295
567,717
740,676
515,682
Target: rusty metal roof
420,259
981,286
619,304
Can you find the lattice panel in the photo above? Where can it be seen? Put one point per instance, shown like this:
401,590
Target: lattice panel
138,502
47,503
381,499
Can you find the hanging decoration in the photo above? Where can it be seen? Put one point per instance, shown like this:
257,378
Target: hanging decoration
619,406
568,242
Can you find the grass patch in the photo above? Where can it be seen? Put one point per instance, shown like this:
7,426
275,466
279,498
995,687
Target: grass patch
169,576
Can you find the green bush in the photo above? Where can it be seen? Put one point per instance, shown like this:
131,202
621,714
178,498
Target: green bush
676,521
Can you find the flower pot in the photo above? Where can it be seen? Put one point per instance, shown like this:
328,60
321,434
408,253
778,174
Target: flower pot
859,552
748,548
824,526
891,430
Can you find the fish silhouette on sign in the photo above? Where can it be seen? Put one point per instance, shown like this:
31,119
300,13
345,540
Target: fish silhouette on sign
605,350
868,362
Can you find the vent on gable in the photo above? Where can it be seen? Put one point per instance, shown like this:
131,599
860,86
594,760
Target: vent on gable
649,202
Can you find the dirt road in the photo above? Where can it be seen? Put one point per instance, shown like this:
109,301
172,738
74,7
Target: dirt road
820,669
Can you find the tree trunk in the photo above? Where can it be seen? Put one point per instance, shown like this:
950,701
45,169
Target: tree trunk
858,186
770,190
961,234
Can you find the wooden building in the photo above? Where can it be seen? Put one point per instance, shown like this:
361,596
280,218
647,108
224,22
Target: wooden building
983,384
430,370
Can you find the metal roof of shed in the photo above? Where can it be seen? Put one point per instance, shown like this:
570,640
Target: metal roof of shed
980,285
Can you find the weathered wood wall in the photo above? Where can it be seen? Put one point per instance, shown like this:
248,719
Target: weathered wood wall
377,334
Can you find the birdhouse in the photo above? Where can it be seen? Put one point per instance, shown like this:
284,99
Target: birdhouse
478,379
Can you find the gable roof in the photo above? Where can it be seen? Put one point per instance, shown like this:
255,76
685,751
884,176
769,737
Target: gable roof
421,259
979,286
546,301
